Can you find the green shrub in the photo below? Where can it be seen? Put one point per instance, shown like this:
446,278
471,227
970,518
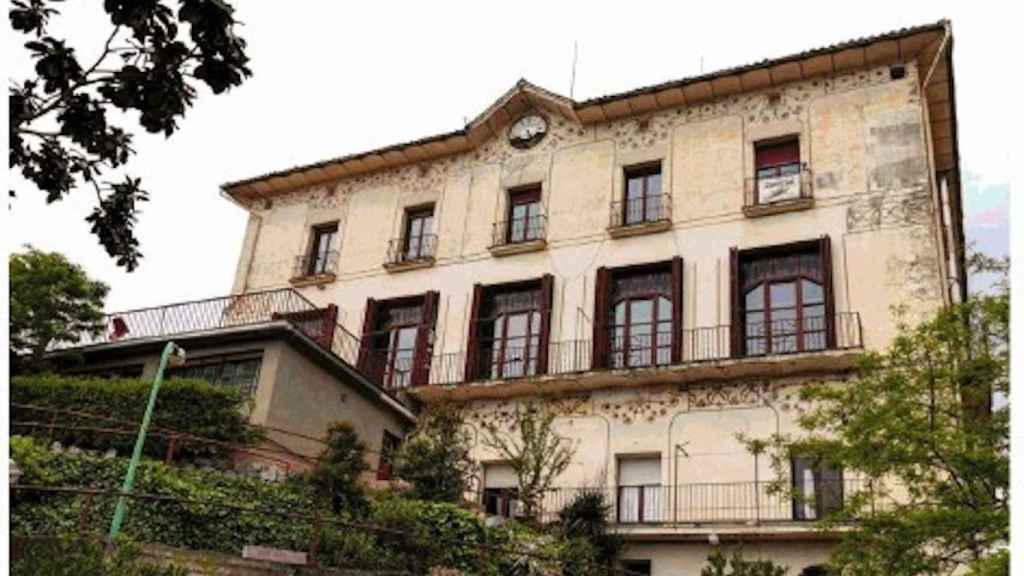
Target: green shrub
185,405
584,526
337,471
435,460
719,565
81,557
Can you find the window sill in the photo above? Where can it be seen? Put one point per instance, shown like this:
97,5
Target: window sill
759,210
512,248
406,265
639,229
313,279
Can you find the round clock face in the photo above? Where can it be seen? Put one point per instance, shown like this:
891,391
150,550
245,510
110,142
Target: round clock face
527,131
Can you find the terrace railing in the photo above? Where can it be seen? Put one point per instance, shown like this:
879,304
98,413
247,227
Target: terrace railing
642,210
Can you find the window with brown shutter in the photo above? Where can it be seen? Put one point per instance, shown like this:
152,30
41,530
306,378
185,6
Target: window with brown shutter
524,215
600,344
509,329
782,299
395,349
638,315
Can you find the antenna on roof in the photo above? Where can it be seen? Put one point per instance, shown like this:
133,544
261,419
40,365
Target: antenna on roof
572,83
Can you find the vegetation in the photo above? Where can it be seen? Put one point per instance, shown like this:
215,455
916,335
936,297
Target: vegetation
196,406
150,61
81,557
590,543
928,417
53,301
534,450
720,565
336,477
435,460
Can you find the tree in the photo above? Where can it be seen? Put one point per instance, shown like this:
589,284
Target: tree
534,450
736,565
436,458
584,525
60,133
920,426
336,476
53,301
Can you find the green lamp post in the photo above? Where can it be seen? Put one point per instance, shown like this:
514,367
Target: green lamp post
174,355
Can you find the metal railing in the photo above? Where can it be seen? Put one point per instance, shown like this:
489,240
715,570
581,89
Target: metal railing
643,210
779,188
412,249
714,502
696,345
240,310
316,264
519,230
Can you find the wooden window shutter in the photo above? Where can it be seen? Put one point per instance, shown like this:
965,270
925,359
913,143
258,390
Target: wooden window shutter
330,320
472,340
677,310
825,254
736,342
424,352
367,363
547,294
602,287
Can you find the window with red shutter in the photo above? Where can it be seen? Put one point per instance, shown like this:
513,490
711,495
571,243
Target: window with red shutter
509,329
638,315
396,340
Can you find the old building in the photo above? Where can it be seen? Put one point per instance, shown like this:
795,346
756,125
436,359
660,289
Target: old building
663,266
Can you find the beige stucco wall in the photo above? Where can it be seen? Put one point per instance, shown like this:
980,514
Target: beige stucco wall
686,559
861,135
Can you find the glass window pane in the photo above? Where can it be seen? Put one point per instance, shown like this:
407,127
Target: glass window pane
415,227
654,184
634,188
653,205
620,313
755,298
407,338
812,292
782,294
641,311
428,224
516,325
755,324
664,308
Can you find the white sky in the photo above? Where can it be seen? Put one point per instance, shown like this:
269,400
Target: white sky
333,78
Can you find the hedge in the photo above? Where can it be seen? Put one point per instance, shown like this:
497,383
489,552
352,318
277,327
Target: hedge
425,534
184,405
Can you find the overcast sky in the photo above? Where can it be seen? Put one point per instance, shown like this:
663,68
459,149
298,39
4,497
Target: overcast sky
333,78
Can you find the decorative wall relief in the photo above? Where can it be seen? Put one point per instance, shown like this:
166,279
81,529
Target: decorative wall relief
641,405
730,394
888,210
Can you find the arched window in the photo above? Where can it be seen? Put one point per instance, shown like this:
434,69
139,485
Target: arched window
515,329
782,300
641,319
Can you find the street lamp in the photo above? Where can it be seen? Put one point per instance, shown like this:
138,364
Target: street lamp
175,356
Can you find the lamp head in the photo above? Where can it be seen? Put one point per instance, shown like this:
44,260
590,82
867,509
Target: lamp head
177,357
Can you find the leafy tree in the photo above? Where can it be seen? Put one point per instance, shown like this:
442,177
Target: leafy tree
53,301
585,520
436,458
920,426
533,449
60,133
719,565
336,476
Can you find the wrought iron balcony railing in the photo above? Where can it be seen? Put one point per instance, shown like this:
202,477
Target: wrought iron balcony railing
781,187
408,249
643,210
753,502
519,230
316,264
491,361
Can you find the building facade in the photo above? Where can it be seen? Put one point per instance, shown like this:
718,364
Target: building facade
664,267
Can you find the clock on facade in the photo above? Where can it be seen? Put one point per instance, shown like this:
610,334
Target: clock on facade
527,131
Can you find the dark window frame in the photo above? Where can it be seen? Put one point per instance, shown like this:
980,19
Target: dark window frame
829,494
388,447
322,239
382,369
220,360
643,173
636,566
482,296
776,169
412,215
529,196
654,346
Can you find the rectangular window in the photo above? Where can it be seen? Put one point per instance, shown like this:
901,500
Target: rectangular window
638,315
640,495
642,196
509,330
242,373
418,242
501,486
636,567
388,447
777,170
396,346
783,298
817,488
524,215
322,256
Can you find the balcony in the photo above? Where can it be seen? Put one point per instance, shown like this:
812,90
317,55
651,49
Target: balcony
699,346
716,503
780,192
519,235
644,215
412,252
315,269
